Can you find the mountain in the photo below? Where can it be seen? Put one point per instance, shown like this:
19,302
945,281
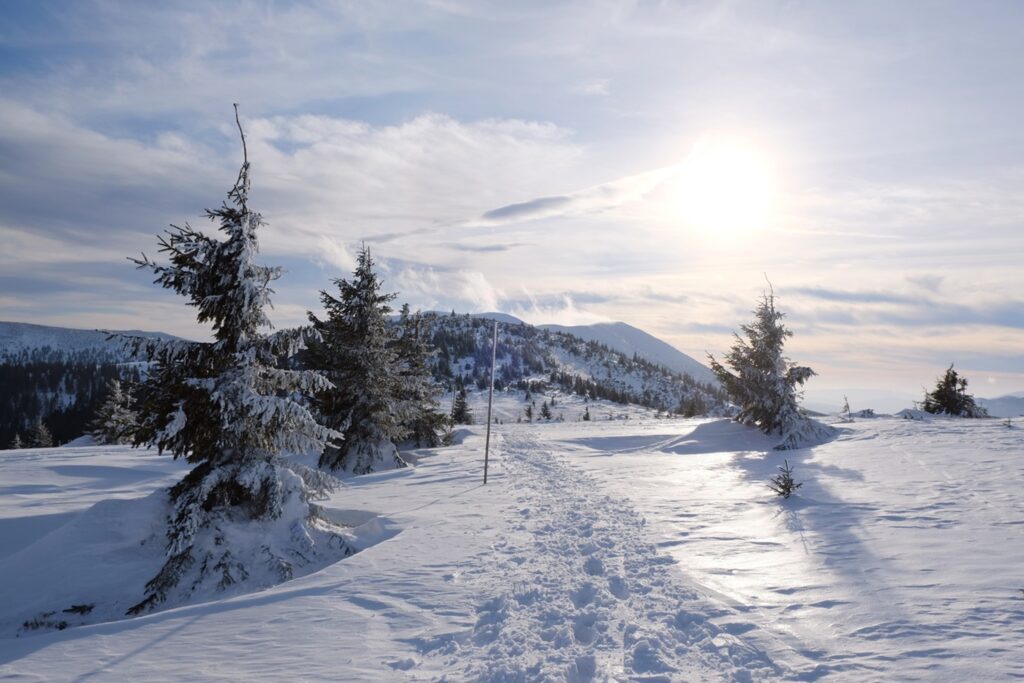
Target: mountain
629,340
1011,405
500,317
539,359
26,339
61,374
58,374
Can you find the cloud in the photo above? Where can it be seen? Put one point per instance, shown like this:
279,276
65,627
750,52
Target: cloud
554,309
929,282
484,248
862,297
590,200
430,288
597,86
535,208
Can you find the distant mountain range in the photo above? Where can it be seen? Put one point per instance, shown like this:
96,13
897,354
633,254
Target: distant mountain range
25,338
1011,405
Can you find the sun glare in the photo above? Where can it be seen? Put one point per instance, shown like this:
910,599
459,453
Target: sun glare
727,187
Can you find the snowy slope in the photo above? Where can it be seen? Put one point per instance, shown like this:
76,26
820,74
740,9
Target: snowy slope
630,340
627,549
18,337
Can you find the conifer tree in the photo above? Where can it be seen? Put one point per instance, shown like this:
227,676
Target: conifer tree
115,420
419,410
356,353
40,436
545,411
950,397
461,414
16,441
227,407
529,413
764,384
586,414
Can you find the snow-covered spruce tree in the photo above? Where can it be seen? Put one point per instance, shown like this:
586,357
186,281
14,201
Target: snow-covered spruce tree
356,353
115,420
227,407
39,435
418,408
16,442
764,383
461,414
950,397
545,411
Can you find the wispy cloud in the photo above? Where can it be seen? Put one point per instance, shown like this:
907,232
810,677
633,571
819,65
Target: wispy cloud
593,199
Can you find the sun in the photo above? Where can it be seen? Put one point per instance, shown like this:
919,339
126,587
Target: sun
726,187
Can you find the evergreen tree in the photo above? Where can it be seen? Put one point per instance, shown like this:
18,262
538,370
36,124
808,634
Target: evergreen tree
227,407
586,414
40,436
529,413
461,414
950,397
16,441
419,409
545,411
764,383
356,353
115,420
846,413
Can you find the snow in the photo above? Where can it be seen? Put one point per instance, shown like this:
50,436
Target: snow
629,340
623,549
17,337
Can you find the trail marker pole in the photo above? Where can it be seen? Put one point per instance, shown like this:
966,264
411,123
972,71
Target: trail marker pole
490,399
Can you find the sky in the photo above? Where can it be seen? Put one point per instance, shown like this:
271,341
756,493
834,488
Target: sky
656,163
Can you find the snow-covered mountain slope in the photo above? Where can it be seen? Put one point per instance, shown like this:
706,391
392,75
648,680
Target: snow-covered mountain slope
630,340
550,358
629,549
1011,405
19,338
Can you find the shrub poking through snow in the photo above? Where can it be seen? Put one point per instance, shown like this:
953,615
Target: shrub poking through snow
243,513
765,384
783,483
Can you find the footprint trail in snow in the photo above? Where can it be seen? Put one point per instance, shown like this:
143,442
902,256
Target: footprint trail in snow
577,594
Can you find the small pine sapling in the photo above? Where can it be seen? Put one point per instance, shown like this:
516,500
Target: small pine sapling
40,436
783,483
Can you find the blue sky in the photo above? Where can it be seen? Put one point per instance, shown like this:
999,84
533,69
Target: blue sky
565,162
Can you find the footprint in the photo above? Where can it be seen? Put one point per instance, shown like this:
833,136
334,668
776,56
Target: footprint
617,586
593,566
583,596
583,629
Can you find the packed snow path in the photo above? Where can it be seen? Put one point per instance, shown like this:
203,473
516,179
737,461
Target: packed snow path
577,593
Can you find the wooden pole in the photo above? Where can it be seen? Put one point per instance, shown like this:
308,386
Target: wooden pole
490,399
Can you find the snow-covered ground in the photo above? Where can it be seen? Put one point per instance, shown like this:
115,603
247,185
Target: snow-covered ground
622,549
